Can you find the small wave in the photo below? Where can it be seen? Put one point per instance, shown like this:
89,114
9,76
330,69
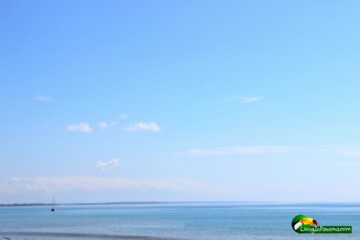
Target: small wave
83,235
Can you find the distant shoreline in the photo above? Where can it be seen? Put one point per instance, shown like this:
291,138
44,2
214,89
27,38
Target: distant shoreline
183,202
125,203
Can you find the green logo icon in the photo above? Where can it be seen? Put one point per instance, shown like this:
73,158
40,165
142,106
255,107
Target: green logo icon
302,220
304,224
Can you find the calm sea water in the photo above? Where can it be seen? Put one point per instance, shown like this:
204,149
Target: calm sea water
210,221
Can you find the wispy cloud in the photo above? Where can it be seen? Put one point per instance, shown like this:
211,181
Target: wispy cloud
247,100
108,124
103,165
43,98
87,183
239,150
143,126
81,127
103,125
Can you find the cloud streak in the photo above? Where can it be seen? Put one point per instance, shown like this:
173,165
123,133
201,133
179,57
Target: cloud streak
103,125
88,183
247,100
43,98
107,165
81,127
241,150
143,126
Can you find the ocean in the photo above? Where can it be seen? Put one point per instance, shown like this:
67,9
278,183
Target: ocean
177,221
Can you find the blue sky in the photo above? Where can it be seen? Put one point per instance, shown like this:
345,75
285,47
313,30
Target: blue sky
179,101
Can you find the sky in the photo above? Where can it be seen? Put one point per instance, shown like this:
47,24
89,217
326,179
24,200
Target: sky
104,101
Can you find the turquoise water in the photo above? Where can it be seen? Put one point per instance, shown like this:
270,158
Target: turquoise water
200,221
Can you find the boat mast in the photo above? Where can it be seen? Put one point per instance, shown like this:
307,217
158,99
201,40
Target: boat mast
53,204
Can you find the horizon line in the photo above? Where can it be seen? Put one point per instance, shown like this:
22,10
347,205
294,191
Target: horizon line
178,202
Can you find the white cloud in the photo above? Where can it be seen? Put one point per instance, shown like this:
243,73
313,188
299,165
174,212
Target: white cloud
143,126
103,125
239,150
107,165
81,127
87,183
247,100
43,98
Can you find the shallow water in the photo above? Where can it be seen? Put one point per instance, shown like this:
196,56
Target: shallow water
220,221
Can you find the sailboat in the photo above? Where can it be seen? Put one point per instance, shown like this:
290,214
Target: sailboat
53,204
